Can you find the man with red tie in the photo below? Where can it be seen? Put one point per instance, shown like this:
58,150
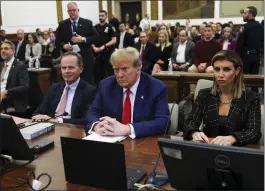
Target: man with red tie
131,103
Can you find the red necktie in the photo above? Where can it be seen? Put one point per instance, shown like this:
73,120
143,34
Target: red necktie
142,53
126,112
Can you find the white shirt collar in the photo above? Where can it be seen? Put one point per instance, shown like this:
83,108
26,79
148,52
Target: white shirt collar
183,43
76,21
134,87
74,85
9,64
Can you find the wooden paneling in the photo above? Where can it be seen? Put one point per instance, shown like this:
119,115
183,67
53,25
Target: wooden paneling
109,9
59,10
154,10
99,5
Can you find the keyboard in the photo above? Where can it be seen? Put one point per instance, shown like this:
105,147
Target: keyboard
133,176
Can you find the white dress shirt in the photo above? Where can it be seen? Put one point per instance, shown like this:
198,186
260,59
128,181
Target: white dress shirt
6,74
145,24
162,46
225,44
71,93
181,52
121,39
133,90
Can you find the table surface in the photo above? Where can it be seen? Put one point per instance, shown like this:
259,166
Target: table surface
139,153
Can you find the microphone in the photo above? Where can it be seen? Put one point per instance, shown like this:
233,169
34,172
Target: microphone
155,178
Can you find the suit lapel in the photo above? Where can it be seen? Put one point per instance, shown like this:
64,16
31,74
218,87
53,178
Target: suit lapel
77,96
69,28
117,94
79,25
187,50
58,96
11,71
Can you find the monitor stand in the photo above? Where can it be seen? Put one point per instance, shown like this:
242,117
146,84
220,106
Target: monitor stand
221,179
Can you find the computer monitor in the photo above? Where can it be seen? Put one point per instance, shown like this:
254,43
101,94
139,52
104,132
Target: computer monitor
12,142
192,166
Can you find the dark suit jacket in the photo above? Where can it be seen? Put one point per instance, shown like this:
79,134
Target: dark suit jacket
188,52
22,50
149,57
86,29
127,41
84,96
163,55
151,111
17,86
244,118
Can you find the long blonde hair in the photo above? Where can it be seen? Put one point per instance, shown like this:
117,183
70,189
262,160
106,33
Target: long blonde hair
167,43
233,57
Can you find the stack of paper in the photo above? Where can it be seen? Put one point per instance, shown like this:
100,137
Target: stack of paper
108,139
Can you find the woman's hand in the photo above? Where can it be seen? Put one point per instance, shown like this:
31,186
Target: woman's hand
200,136
160,62
224,140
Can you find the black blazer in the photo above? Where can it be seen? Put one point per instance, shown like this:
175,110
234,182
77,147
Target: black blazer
21,51
163,55
17,86
84,96
149,56
127,41
244,118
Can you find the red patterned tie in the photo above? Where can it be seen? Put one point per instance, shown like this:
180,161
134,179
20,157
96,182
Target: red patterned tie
126,112
142,53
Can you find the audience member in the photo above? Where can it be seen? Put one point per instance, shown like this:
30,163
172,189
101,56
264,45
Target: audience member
33,48
50,30
145,23
128,29
136,36
163,27
114,21
39,36
227,40
124,39
2,36
250,42
147,55
46,38
14,80
67,101
181,56
132,104
230,114
20,45
234,30
194,34
219,29
216,35
163,52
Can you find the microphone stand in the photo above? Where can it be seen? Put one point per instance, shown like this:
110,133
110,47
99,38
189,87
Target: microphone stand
155,178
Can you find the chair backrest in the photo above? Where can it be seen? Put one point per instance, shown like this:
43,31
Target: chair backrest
174,119
202,84
262,125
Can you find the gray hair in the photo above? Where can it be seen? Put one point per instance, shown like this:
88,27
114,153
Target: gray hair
228,29
78,56
126,54
13,47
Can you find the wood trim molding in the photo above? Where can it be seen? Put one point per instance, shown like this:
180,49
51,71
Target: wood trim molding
59,10
109,9
99,5
154,10
0,17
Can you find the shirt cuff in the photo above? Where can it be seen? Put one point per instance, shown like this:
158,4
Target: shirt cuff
132,135
92,126
60,119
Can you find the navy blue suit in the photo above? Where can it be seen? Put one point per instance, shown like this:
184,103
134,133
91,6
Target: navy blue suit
150,112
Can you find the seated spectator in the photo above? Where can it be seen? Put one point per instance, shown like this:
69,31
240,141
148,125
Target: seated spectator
147,55
234,32
14,80
33,48
39,36
219,29
163,52
131,103
230,114
136,36
124,39
128,29
227,40
50,47
66,102
216,35
2,36
163,27
181,56
194,34
50,30
20,45
46,38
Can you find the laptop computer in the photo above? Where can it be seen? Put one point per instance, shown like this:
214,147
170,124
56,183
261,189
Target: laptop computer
97,164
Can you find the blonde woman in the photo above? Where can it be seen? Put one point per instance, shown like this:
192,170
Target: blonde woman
163,52
230,114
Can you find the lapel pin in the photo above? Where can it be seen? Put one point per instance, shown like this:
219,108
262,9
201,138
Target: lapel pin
142,97
80,25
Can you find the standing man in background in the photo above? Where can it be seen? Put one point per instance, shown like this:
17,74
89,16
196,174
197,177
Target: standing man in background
78,34
145,23
20,45
250,42
104,47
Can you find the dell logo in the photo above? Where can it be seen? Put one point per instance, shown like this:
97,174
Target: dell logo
222,161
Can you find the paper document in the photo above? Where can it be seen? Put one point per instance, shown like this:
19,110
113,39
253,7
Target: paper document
108,139
76,48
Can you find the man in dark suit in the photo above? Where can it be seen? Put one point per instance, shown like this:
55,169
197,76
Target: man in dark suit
147,55
78,32
14,80
124,39
181,56
131,103
20,45
250,42
66,102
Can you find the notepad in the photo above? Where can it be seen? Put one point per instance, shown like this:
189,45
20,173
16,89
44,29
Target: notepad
108,139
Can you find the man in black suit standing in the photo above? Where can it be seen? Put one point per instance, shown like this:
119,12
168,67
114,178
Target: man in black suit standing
124,39
67,102
14,80
146,50
250,42
20,45
78,33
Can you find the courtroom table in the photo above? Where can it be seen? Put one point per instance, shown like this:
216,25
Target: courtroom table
139,153
40,81
175,81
